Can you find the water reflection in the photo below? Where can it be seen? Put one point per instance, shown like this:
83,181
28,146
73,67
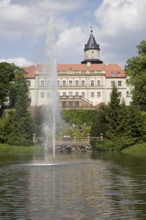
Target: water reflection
81,188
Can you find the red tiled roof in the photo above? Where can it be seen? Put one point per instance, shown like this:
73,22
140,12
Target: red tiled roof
81,67
112,70
30,72
115,71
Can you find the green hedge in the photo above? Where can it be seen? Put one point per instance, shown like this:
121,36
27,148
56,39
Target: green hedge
75,116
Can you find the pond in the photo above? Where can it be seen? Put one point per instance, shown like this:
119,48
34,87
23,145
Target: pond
74,187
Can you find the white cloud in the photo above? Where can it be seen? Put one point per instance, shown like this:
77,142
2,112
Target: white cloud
117,16
70,43
4,3
18,61
17,20
57,5
121,28
26,18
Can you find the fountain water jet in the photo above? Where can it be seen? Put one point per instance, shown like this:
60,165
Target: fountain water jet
52,111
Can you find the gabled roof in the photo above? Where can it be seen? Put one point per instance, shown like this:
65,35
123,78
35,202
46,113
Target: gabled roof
111,70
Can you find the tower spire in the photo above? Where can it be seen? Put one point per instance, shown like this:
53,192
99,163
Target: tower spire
91,50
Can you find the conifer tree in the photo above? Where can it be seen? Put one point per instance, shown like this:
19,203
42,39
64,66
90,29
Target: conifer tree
112,114
125,124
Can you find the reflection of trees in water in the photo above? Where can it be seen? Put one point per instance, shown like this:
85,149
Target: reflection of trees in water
82,189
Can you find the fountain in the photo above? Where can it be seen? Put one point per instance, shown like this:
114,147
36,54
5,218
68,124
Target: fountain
52,111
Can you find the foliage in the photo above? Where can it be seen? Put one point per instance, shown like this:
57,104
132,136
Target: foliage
136,69
99,125
116,144
5,124
8,74
112,114
79,117
74,122
79,132
125,125
21,127
38,119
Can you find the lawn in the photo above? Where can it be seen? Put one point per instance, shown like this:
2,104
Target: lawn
138,148
5,148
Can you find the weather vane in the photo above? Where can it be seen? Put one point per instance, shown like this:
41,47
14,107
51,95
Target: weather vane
91,29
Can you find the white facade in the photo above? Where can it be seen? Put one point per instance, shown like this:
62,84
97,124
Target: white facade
89,84
82,85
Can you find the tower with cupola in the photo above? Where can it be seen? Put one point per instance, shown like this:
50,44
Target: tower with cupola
91,51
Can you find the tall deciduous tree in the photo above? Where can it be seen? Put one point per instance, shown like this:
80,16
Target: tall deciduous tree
21,128
136,69
8,73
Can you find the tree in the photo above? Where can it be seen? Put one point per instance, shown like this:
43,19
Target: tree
5,127
99,126
8,73
125,124
21,128
136,69
112,114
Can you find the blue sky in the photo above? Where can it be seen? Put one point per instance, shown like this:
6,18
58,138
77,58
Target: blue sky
118,26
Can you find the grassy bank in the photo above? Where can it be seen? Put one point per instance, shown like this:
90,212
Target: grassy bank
136,149
5,148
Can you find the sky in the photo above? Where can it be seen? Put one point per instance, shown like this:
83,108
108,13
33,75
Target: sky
118,27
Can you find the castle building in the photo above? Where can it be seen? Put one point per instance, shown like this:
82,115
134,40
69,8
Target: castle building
82,85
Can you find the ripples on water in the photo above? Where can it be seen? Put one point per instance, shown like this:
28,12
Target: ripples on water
80,189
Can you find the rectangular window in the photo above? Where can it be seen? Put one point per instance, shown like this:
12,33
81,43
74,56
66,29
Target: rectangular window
120,94
119,83
92,82
70,82
83,82
42,83
70,94
112,83
92,94
76,83
98,94
83,94
42,95
98,82
76,94
58,82
64,93
64,82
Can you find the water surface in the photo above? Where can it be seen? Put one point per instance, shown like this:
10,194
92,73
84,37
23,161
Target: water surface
75,187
